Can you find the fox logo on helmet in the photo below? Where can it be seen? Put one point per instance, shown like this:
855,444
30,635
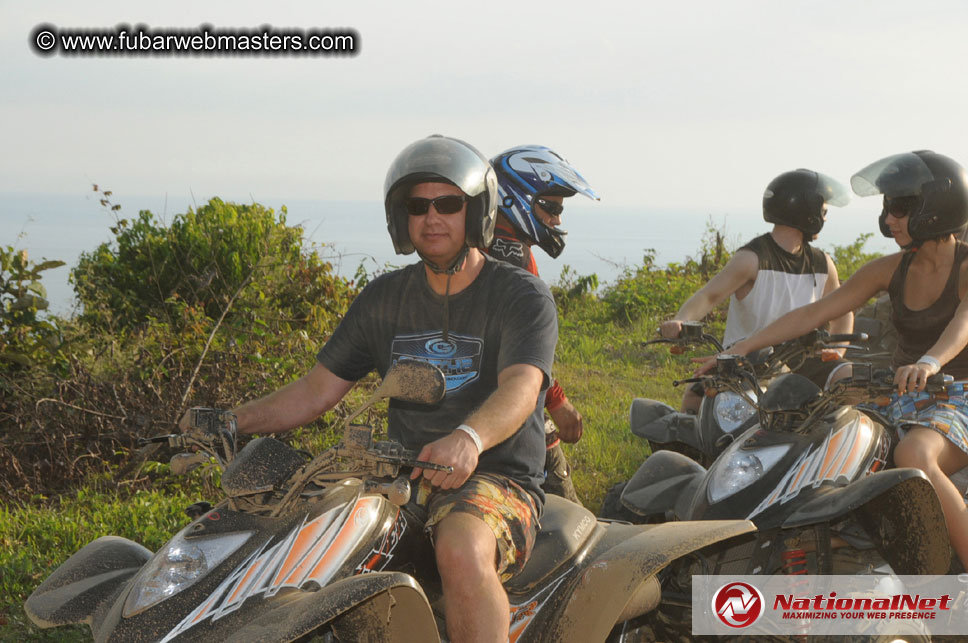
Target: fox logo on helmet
738,604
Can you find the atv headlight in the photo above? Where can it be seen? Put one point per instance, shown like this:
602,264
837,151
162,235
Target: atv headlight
731,410
177,565
738,468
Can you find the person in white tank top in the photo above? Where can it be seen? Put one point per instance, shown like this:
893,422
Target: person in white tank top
776,272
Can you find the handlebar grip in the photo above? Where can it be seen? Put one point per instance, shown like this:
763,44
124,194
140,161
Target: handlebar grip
938,382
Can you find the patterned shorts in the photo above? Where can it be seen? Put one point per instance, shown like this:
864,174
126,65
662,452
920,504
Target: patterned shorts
502,504
946,413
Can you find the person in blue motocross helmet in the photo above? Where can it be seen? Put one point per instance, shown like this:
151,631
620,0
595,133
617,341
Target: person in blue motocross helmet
533,182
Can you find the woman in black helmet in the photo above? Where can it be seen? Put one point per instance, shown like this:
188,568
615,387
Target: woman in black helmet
925,197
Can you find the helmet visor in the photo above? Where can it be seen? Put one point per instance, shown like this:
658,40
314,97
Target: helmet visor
894,176
833,191
549,173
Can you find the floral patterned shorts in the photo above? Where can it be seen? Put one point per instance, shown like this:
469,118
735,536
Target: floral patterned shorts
502,504
946,413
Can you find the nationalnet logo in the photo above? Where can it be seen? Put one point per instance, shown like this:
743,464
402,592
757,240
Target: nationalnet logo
738,605
862,605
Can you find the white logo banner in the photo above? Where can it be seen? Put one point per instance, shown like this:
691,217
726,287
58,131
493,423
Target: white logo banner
830,605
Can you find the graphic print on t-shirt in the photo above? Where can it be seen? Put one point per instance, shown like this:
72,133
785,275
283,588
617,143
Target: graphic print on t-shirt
459,357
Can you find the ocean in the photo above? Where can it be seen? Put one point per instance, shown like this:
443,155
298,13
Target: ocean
602,239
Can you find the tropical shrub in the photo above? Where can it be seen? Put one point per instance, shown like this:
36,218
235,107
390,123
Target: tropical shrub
27,337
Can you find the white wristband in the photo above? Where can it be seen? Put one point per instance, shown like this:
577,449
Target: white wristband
474,436
931,361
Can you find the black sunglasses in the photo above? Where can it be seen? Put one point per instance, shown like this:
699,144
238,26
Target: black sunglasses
901,206
418,206
551,207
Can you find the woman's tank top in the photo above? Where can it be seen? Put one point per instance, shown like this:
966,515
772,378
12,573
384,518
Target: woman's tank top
919,330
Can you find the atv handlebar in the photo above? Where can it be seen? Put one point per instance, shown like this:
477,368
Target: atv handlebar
881,381
735,371
691,334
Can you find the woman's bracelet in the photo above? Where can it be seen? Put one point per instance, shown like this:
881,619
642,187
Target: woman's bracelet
930,361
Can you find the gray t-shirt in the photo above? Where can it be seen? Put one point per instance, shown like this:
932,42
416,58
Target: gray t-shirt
505,317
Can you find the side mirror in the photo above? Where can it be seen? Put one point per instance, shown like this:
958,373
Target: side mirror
413,381
408,380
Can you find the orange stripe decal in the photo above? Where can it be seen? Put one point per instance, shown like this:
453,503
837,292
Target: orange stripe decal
241,585
361,518
305,539
831,453
297,575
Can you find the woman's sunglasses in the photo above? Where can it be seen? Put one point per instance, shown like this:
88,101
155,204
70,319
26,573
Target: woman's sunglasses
449,204
551,207
901,206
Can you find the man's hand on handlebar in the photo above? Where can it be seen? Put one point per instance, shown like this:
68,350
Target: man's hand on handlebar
670,329
456,450
207,424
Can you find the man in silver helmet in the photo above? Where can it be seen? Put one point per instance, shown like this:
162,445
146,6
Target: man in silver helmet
492,330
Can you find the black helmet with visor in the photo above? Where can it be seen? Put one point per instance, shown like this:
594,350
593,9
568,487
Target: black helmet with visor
799,199
931,189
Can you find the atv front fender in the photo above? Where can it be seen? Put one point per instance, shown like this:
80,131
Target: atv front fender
661,423
660,481
900,511
380,606
617,576
87,579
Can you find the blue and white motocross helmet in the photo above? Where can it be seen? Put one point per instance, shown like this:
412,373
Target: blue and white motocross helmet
526,172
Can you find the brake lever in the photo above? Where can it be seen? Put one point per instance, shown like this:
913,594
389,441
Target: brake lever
688,380
837,347
433,466
173,439
849,337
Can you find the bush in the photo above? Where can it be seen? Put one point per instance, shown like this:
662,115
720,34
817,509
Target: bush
648,291
224,305
205,259
26,337
852,256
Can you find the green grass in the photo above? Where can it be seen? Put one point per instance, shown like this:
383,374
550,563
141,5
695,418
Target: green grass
35,539
602,367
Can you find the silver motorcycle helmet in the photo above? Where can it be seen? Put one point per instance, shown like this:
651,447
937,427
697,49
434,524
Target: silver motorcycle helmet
930,188
442,159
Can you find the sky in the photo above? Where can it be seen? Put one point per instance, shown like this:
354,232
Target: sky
659,104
